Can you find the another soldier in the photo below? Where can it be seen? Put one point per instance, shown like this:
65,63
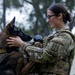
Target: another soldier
55,57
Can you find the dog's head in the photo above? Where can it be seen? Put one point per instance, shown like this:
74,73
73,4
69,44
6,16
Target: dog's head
11,31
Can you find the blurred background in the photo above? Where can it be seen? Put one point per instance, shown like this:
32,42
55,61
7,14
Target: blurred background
31,15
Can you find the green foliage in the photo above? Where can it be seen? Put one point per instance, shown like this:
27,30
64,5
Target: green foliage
70,4
8,4
30,32
38,14
13,3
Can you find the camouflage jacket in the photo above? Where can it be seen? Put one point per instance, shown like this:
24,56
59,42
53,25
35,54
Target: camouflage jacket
56,53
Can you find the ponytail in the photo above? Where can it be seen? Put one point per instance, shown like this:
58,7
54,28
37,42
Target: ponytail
68,17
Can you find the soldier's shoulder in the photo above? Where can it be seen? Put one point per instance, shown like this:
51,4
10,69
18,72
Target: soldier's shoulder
66,34
62,38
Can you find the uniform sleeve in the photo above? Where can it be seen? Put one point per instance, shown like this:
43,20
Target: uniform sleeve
56,49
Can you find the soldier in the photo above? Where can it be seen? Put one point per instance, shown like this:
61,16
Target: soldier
55,57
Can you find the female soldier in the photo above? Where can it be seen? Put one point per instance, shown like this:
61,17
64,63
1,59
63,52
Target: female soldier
55,55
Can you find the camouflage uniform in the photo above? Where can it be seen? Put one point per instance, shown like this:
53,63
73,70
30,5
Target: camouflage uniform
55,55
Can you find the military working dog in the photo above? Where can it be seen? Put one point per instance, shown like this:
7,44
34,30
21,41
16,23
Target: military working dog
11,60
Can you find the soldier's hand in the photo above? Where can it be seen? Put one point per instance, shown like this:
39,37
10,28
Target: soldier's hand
38,44
14,41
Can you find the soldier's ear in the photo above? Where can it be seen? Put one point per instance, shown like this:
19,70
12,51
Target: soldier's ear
60,16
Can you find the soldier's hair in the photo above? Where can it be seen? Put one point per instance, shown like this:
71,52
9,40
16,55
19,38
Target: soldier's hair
57,8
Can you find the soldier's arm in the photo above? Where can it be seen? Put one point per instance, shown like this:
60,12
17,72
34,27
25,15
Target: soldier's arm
56,49
60,46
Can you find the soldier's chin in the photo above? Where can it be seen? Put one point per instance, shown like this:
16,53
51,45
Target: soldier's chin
52,26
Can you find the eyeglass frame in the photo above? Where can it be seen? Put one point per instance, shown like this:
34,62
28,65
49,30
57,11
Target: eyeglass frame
49,16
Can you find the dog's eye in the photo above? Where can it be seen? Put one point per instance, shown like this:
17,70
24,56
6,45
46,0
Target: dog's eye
16,29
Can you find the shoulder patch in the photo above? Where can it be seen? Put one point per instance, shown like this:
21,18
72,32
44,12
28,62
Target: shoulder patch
58,40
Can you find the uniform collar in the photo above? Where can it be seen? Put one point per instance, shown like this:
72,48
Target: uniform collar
65,28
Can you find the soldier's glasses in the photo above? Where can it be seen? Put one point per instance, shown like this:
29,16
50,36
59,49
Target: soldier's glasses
49,16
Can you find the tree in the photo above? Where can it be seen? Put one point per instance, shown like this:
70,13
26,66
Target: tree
8,4
38,17
38,14
4,9
71,6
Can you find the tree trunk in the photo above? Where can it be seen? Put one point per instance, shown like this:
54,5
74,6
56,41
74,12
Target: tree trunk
4,10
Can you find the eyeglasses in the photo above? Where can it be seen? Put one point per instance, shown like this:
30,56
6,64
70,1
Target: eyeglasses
49,16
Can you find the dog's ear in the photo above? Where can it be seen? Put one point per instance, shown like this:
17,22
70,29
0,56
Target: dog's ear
13,21
11,24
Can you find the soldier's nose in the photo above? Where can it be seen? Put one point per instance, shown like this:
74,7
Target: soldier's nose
48,20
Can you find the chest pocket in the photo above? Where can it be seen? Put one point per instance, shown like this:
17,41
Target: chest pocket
46,40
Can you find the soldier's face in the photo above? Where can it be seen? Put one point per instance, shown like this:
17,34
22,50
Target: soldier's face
52,19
